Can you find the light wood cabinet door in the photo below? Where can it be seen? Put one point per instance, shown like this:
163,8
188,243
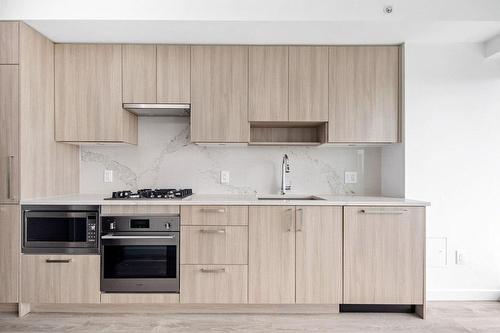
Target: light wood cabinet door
139,73
268,83
9,43
174,73
308,98
214,215
9,133
384,255
88,95
219,94
214,245
271,262
214,284
318,255
10,247
364,94
60,279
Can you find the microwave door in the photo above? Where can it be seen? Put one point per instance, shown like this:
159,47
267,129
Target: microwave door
56,229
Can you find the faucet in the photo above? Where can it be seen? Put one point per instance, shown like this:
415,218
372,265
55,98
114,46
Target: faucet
285,168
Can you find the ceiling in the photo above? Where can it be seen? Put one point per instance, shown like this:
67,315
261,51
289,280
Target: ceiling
259,21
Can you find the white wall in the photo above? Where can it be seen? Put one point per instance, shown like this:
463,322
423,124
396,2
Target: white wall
453,160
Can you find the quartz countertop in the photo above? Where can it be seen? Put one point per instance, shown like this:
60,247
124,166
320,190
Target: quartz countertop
228,199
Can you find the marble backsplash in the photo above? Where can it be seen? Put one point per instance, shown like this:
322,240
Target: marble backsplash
164,157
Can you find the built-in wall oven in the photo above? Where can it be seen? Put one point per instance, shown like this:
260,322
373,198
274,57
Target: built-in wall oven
60,229
140,254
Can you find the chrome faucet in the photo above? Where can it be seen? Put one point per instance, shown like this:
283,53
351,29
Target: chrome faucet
285,168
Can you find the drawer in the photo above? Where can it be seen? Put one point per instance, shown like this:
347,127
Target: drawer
214,283
214,245
214,215
131,210
149,298
60,279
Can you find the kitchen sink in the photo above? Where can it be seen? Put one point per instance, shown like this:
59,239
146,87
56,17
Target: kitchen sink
289,197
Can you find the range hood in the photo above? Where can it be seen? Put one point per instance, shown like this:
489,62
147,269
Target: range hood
159,109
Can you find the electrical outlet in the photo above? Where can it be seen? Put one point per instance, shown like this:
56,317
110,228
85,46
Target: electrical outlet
460,257
224,177
351,177
108,176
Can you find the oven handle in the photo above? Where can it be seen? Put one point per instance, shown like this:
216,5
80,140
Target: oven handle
136,237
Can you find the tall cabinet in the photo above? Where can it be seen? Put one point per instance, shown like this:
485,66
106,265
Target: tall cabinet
47,168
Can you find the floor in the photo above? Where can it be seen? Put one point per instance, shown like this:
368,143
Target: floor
442,317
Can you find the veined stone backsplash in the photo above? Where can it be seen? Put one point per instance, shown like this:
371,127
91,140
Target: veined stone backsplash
165,158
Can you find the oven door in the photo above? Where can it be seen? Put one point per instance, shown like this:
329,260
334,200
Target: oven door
140,263
45,231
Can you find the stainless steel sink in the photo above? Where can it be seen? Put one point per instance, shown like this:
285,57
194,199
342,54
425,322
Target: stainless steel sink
289,197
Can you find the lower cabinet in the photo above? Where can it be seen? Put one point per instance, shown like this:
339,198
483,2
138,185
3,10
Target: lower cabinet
318,255
10,225
214,284
295,254
271,254
60,279
384,255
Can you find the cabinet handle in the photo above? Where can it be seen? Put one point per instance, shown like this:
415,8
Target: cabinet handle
213,210
213,270
290,221
9,176
381,211
301,213
58,261
212,231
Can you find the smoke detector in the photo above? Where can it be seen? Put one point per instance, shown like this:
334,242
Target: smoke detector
388,9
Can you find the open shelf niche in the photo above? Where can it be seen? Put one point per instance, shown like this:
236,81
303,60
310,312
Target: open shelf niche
288,133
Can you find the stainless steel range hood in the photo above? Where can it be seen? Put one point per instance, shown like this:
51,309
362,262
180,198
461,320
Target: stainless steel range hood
159,109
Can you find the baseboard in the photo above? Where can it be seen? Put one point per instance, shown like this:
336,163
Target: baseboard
463,295
189,308
8,307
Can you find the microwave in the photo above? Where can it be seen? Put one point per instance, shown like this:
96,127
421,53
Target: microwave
60,229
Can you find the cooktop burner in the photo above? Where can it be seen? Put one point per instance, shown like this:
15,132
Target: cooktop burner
169,193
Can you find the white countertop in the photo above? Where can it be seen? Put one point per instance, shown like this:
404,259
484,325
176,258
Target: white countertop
227,199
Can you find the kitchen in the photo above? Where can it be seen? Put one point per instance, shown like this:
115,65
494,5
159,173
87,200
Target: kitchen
200,178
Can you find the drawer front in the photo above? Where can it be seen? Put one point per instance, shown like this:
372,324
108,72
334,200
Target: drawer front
214,245
60,279
131,210
214,215
139,298
214,284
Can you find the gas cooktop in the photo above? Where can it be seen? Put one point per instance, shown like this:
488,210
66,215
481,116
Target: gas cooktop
168,193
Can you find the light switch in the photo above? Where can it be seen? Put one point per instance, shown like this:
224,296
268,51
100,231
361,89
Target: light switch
224,177
351,177
108,176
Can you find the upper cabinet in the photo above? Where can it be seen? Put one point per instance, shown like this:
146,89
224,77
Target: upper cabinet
88,95
9,43
139,73
268,83
173,74
219,94
156,73
364,94
308,83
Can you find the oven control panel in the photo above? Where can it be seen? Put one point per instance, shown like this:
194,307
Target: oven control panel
140,223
